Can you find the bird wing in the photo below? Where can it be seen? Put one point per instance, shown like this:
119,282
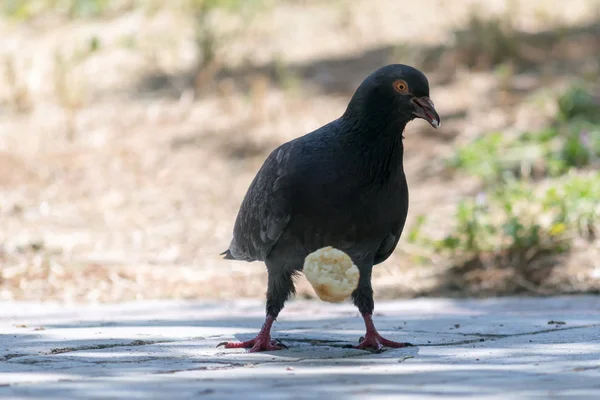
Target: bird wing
265,210
386,248
389,243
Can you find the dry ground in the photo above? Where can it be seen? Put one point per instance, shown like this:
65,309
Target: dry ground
117,181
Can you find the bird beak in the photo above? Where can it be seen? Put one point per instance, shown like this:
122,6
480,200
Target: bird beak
424,109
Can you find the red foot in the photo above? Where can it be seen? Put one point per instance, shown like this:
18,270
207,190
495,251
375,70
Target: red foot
262,341
373,340
259,343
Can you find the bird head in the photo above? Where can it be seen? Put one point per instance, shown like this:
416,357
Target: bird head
395,93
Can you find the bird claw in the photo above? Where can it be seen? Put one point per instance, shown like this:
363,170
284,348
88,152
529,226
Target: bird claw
375,343
259,343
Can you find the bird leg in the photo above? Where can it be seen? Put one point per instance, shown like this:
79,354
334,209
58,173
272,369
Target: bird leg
280,286
373,340
262,341
363,299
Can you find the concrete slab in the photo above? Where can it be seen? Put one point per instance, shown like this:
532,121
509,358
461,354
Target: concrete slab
495,348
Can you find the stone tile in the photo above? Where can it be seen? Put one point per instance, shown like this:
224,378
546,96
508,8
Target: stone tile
495,348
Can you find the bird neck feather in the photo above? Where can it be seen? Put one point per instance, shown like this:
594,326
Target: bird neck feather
378,146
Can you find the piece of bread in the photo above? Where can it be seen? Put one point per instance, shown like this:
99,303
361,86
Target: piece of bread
331,273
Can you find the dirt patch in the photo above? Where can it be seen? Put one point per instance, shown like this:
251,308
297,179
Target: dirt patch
128,187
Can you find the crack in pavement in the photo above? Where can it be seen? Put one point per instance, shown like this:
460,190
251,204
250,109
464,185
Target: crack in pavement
344,344
61,350
581,369
507,335
13,355
204,368
478,337
468,341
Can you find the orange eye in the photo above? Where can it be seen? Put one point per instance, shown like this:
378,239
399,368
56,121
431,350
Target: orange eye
401,86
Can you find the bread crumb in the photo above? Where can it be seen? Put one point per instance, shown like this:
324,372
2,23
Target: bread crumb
331,273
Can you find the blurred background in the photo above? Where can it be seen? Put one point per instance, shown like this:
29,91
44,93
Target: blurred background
130,131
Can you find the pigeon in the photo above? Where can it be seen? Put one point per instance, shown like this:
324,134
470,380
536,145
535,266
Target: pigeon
342,185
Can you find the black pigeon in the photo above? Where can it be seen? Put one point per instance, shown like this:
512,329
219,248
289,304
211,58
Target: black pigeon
342,185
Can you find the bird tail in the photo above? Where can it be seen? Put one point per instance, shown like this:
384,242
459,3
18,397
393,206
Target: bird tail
227,255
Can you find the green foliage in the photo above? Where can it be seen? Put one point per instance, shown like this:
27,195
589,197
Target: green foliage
572,141
482,157
517,218
579,103
28,9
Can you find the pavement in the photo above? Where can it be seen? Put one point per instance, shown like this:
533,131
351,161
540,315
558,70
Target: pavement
494,349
